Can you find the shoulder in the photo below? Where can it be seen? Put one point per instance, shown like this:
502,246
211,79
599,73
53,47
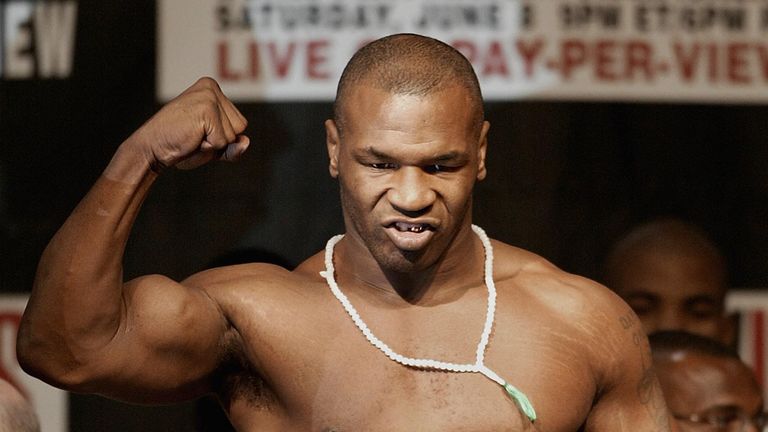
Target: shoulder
543,281
571,320
254,276
258,286
586,311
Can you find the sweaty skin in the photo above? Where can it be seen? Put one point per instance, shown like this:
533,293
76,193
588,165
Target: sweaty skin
277,347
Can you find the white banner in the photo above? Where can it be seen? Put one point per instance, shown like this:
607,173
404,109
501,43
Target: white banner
654,50
752,307
49,403
37,39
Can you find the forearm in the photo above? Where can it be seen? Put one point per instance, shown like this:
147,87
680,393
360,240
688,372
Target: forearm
77,303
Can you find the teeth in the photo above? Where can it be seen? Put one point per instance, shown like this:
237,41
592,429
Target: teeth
410,227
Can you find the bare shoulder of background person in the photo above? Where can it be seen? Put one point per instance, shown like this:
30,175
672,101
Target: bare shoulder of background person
16,413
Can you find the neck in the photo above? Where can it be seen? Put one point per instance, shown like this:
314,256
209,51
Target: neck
457,270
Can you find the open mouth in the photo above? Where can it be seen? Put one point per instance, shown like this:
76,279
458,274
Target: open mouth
410,227
410,236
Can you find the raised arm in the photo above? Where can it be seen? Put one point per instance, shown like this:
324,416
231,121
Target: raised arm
150,339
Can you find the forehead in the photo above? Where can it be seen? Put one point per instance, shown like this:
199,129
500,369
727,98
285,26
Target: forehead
694,382
369,112
670,275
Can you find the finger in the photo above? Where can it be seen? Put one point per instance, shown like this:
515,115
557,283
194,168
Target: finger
226,127
235,150
229,130
215,106
219,131
236,118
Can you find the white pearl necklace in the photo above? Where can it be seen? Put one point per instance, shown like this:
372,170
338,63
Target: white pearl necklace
422,363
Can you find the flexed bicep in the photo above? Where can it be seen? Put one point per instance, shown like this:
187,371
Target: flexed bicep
170,342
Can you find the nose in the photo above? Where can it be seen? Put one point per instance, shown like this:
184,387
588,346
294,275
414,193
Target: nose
670,318
410,191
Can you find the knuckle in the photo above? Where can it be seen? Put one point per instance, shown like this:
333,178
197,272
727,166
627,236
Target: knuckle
207,110
211,105
207,82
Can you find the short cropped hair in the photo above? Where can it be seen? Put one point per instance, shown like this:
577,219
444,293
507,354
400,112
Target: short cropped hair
669,341
665,235
408,64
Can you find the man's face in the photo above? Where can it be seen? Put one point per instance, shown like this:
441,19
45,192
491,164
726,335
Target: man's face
406,166
714,388
674,292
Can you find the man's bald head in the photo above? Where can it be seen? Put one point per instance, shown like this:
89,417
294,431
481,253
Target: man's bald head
673,276
667,236
705,383
408,64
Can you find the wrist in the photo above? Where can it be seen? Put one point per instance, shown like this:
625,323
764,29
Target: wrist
130,164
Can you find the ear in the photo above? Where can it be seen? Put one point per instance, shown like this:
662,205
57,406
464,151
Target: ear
332,142
482,146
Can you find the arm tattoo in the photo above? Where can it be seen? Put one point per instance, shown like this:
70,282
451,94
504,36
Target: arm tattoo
648,389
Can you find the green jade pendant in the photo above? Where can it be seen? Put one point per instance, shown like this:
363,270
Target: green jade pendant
521,400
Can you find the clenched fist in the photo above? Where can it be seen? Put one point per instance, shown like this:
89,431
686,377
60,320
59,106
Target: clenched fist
197,126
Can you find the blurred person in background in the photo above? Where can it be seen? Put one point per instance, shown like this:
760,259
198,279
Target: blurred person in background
705,384
674,278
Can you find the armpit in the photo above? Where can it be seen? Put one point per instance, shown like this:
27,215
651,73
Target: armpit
238,381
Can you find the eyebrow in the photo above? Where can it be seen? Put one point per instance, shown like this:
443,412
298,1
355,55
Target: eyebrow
728,407
641,294
701,298
453,156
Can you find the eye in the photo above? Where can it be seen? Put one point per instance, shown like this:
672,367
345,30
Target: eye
382,165
436,168
722,420
722,417
702,308
642,304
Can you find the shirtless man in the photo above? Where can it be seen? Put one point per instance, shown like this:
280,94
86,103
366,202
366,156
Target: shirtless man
407,143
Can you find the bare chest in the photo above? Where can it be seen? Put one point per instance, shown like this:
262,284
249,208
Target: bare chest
333,379
366,391
400,398
319,373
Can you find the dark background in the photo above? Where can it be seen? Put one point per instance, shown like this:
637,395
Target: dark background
565,178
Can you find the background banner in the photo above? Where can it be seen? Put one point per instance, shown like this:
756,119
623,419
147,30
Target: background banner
752,307
567,175
652,50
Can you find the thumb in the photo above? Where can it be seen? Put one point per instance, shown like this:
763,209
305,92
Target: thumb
200,157
234,150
